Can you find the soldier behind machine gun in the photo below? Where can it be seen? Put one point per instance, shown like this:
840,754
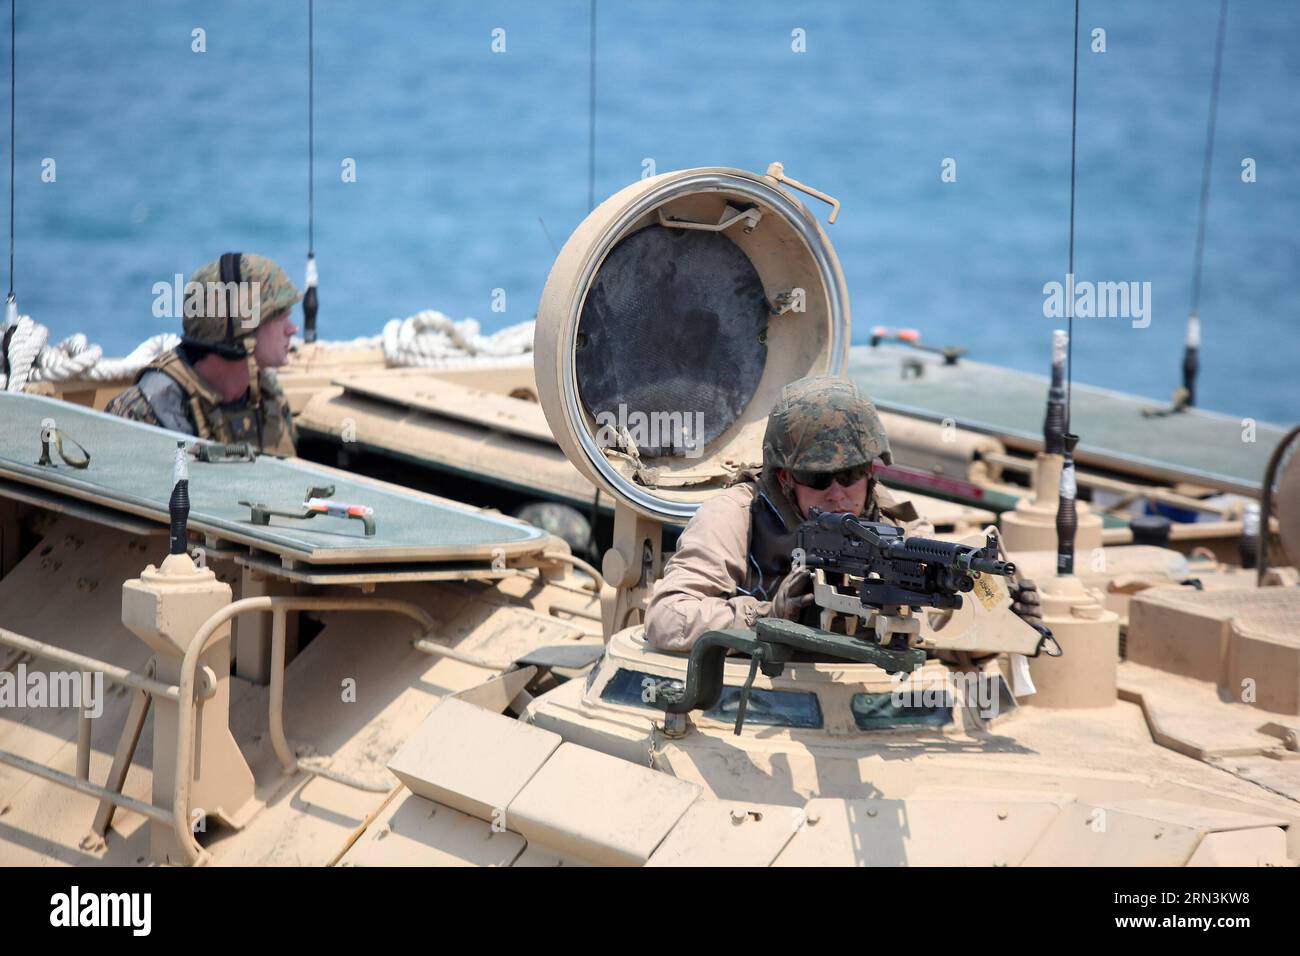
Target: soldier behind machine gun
734,561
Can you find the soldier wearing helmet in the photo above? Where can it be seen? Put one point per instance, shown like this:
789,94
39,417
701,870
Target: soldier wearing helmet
219,382
733,560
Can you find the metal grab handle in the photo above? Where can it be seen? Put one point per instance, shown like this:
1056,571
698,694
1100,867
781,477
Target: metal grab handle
314,505
185,743
751,218
777,171
53,434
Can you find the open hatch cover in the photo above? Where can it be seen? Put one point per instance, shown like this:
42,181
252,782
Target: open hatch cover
670,322
130,471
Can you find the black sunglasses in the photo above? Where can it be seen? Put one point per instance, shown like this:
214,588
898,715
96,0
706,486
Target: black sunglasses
821,480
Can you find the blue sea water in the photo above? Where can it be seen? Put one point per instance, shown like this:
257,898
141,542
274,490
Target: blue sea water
166,157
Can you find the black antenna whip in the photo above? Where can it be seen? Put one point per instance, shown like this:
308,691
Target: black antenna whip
1069,305
11,303
591,119
1067,519
1192,342
309,300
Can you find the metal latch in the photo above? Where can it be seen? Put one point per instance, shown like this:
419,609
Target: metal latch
749,216
216,453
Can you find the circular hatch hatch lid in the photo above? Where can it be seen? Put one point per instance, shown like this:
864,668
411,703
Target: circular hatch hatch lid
668,309
671,320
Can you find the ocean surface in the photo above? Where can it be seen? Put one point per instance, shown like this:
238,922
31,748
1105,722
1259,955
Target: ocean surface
165,157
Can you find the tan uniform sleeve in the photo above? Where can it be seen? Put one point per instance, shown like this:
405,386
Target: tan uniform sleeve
698,591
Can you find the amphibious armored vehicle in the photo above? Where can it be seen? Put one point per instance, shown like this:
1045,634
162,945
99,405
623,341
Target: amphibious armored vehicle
441,685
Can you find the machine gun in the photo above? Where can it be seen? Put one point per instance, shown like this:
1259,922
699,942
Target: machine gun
894,574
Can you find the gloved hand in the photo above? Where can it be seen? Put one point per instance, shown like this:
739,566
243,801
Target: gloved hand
793,594
1027,602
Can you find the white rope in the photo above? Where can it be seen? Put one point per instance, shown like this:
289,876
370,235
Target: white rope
129,365
71,358
33,359
428,339
25,346
432,339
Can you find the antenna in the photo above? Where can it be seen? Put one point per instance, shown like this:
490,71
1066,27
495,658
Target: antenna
1054,427
591,119
178,506
309,300
1067,519
546,232
11,302
1192,342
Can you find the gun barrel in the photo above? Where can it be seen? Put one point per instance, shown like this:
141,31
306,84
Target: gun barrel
950,554
993,566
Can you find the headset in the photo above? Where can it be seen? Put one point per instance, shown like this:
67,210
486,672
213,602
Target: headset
232,279
232,346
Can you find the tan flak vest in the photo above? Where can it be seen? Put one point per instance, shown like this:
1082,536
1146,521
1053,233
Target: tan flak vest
264,423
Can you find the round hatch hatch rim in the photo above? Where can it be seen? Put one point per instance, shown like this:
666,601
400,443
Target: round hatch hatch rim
750,186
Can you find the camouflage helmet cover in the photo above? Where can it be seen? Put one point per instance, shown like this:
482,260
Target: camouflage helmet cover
819,424
563,521
265,290
823,424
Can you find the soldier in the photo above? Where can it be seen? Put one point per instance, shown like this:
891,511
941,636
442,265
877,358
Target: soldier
563,521
733,560
218,383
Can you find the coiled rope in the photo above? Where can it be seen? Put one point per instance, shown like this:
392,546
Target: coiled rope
431,339
428,339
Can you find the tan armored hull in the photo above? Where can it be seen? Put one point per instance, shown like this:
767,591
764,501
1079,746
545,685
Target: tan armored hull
454,687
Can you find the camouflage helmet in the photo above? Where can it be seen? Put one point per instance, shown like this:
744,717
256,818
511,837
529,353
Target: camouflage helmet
212,317
563,521
823,424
